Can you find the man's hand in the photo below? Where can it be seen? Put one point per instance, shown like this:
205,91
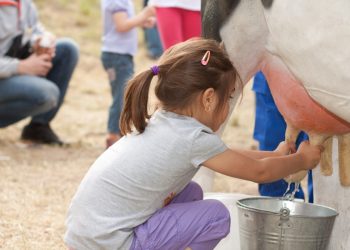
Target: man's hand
35,65
51,50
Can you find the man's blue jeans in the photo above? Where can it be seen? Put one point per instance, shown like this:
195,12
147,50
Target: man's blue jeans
120,68
22,96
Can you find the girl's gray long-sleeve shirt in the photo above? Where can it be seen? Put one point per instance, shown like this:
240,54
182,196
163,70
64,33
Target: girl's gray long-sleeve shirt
11,25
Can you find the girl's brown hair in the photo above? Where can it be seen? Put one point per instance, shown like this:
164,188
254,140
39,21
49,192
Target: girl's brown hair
181,77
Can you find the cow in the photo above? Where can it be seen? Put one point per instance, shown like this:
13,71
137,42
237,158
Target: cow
302,47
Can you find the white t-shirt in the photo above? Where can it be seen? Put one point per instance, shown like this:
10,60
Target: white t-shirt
183,4
134,178
113,41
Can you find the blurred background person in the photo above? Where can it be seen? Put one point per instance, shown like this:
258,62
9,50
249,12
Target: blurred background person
35,71
177,20
119,46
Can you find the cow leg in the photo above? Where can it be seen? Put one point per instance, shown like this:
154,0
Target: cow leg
326,157
344,159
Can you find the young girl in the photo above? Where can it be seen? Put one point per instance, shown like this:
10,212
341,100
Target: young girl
119,46
138,194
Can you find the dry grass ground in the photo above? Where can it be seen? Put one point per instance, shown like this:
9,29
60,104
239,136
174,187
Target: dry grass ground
38,182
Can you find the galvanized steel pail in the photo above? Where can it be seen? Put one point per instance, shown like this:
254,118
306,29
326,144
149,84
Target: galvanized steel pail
276,224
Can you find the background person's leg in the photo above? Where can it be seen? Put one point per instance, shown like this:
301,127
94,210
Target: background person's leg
191,24
310,187
302,137
63,66
64,62
169,26
24,96
153,43
120,69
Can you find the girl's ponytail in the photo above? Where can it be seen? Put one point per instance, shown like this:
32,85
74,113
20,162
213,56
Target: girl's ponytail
134,113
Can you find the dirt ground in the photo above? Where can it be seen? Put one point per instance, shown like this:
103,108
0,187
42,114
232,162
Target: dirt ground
37,182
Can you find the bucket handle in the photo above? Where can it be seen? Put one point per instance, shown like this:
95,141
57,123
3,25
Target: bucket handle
284,213
284,221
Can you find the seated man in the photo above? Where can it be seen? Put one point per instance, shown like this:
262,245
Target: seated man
269,131
33,82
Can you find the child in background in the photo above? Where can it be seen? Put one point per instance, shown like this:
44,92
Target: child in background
118,48
138,194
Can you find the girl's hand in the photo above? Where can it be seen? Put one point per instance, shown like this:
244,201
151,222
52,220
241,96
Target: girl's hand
149,23
285,148
148,11
311,154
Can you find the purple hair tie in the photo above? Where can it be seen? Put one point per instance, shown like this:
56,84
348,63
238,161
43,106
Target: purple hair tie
155,70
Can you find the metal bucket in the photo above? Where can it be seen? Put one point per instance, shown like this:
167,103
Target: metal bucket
275,224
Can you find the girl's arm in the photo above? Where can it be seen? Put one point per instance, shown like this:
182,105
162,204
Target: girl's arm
123,23
236,164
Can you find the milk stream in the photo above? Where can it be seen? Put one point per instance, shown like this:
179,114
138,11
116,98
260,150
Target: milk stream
291,195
